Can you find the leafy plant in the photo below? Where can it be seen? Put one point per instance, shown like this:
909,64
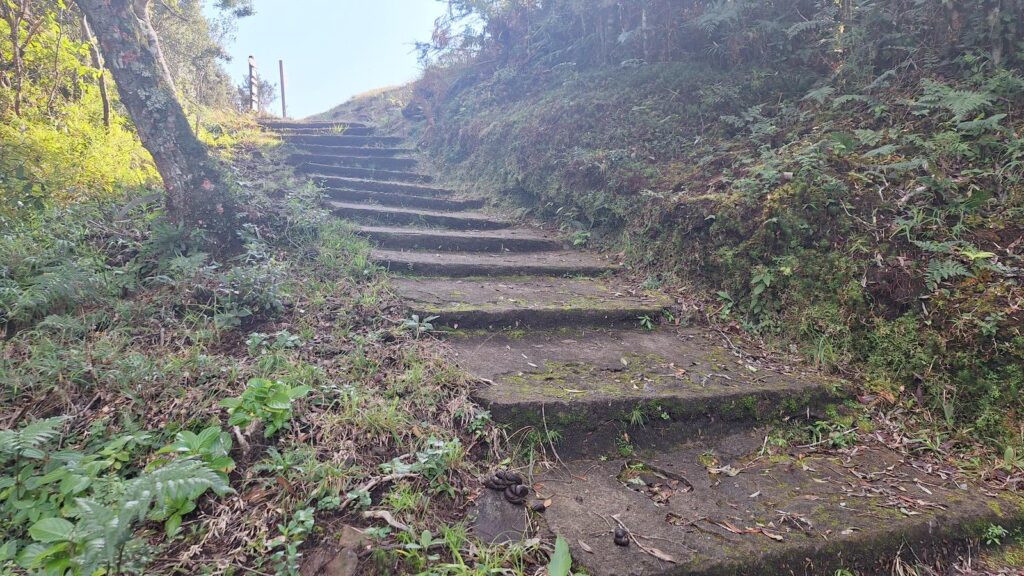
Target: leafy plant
419,326
561,560
265,400
994,535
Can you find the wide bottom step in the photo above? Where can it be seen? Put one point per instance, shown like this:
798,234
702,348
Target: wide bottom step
731,508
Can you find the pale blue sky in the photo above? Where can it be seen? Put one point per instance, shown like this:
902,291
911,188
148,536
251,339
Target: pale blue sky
333,49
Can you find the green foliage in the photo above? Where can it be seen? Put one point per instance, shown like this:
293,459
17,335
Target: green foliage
79,508
265,400
561,560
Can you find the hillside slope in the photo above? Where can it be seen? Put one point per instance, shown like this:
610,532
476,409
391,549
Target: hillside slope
868,213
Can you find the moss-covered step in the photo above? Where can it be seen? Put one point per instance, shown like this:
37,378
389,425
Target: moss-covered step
496,241
361,161
727,508
336,183
365,173
409,216
597,387
329,139
403,200
527,302
352,150
465,264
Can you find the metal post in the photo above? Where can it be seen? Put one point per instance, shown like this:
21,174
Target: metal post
284,103
254,86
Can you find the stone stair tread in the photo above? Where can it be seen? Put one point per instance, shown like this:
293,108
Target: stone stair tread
481,264
688,380
795,513
354,151
506,240
525,301
315,170
280,124
403,200
365,184
380,162
399,210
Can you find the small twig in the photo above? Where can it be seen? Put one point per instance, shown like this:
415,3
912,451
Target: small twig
544,420
651,551
387,517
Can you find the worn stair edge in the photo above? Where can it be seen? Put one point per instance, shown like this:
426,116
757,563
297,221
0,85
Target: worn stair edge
335,131
318,124
364,173
597,428
454,241
343,140
455,265
379,162
403,200
354,151
500,318
852,527
405,216
361,184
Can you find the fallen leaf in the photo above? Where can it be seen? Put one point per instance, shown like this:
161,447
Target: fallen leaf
772,535
586,547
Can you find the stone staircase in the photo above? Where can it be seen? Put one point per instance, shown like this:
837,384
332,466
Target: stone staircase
654,432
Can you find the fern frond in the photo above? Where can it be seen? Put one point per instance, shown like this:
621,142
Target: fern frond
941,270
27,442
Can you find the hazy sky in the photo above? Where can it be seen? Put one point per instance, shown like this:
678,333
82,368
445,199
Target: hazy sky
333,49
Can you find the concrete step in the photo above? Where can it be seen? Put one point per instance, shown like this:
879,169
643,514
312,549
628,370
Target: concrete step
364,173
372,162
656,388
525,302
280,124
497,241
344,140
337,183
354,151
724,507
404,200
334,131
459,264
411,217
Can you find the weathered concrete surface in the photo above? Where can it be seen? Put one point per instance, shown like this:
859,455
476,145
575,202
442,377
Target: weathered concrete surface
381,162
279,125
394,215
332,183
475,264
343,140
403,200
352,150
526,302
656,388
508,240
366,173
778,515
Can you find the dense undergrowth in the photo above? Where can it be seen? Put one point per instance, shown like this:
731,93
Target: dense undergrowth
165,412
846,182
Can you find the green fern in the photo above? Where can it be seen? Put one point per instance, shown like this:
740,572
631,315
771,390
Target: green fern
27,442
96,542
961,103
941,270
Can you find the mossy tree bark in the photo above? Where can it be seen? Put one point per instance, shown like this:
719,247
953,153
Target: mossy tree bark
197,194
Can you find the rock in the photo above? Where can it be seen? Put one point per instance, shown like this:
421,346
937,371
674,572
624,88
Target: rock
345,563
495,521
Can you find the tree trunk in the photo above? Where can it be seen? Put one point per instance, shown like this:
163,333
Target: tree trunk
197,195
